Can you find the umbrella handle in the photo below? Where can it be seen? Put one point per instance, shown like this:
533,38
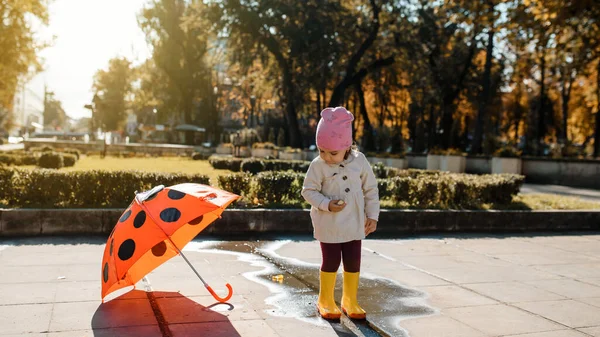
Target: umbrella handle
222,300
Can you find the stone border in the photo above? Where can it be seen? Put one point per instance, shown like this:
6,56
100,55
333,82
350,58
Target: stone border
35,222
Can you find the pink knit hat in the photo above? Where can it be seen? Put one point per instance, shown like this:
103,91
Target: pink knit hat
334,131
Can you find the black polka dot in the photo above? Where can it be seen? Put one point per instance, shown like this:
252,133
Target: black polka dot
170,215
126,249
112,243
105,272
175,195
125,216
139,220
197,220
159,249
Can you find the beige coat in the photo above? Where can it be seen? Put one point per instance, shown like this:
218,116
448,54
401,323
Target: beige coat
352,181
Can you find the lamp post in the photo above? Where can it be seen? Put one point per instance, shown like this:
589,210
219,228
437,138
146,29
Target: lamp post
91,108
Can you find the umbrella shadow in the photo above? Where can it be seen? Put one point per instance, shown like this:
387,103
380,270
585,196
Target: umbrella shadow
140,313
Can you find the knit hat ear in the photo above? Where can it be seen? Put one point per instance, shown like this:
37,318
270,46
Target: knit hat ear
334,131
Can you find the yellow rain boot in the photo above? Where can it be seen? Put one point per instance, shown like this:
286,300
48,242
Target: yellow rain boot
350,305
326,304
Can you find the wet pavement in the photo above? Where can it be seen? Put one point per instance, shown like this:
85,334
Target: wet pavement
461,285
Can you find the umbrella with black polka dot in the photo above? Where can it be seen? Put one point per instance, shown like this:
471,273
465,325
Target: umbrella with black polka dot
155,227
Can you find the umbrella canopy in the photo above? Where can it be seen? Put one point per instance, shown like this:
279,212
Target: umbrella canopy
155,227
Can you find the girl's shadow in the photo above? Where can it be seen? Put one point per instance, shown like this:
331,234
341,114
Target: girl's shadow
140,313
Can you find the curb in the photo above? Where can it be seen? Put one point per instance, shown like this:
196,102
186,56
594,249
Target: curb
36,222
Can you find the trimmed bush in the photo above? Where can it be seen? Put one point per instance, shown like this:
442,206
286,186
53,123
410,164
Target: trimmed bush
44,188
17,158
98,189
277,188
224,163
268,146
51,160
69,159
74,152
286,165
252,165
238,183
6,187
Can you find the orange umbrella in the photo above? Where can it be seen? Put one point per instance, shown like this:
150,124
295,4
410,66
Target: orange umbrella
155,227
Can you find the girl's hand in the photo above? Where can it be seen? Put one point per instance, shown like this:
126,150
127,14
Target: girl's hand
335,205
370,226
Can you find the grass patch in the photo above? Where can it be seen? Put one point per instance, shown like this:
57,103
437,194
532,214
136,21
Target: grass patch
524,202
554,202
157,164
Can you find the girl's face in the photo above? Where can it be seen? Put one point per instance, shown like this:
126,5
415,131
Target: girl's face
332,157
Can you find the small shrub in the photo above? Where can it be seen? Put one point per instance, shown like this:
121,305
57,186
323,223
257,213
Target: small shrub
379,170
51,160
292,150
238,183
386,188
69,159
252,165
198,156
29,160
7,159
436,151
224,163
508,152
267,146
454,152
278,187
74,152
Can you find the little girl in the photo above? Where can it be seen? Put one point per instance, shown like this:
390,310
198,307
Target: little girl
342,189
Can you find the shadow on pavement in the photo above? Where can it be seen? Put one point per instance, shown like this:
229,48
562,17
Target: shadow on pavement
140,313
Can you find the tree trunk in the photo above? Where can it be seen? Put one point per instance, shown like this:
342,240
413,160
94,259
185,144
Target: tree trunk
518,113
187,118
485,93
368,143
318,102
541,122
290,108
565,116
597,128
432,136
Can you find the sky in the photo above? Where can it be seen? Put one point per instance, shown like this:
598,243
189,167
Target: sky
85,35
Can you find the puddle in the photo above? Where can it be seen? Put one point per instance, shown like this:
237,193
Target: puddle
289,298
387,302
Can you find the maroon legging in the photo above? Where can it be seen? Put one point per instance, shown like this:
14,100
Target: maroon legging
334,252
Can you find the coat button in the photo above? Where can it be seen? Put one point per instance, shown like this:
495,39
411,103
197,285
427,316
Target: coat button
347,190
344,177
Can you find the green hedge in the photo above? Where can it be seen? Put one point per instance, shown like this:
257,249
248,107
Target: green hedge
253,165
18,159
98,189
51,160
454,191
223,163
415,189
278,188
45,188
256,165
238,183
